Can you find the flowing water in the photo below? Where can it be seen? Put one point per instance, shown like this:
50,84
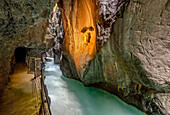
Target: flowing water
70,97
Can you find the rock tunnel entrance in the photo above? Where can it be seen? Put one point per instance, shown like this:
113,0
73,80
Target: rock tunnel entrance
20,54
18,57
22,94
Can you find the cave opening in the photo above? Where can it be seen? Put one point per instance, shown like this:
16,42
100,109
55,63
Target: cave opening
20,54
18,59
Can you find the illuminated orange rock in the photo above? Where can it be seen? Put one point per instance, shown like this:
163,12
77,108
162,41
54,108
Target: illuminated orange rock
79,23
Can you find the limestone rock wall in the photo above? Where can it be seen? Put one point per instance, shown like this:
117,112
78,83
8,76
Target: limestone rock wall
17,28
79,23
133,63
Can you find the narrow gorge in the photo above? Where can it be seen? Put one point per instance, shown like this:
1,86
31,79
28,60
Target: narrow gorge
118,46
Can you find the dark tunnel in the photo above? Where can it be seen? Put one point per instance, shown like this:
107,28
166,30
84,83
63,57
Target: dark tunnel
20,54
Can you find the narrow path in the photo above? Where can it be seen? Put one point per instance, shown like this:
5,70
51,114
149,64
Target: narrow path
70,97
19,97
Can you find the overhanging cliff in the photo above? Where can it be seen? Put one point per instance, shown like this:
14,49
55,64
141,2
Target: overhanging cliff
22,24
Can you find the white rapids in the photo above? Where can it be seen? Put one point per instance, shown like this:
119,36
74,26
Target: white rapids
70,97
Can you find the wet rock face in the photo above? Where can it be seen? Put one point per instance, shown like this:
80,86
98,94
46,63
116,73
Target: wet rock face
55,35
133,63
107,16
22,23
79,23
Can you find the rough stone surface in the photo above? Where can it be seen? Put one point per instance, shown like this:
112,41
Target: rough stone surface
107,16
55,35
134,61
17,20
79,23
